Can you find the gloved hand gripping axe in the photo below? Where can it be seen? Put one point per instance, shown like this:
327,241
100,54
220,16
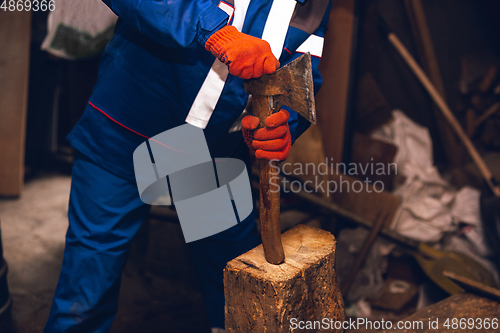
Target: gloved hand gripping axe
291,85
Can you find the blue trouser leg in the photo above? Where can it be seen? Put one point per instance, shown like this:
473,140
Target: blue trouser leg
211,255
105,212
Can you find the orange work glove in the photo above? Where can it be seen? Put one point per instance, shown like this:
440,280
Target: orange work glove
246,56
272,142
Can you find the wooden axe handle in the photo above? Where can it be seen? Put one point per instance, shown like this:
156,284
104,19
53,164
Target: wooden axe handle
269,193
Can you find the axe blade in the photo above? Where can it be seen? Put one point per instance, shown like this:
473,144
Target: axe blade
291,85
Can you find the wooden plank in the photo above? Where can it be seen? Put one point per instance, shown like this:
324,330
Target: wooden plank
423,39
488,113
475,287
367,151
308,148
470,122
488,79
427,57
372,109
367,200
335,67
354,195
15,35
433,318
363,253
262,297
450,117
331,104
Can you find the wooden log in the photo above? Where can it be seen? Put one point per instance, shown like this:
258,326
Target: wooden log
264,298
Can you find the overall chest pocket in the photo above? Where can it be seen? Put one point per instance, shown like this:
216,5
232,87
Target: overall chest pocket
304,35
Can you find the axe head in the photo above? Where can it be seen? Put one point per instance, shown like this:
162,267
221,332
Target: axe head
291,85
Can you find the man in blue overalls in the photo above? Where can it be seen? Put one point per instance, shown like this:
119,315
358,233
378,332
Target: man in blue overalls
168,63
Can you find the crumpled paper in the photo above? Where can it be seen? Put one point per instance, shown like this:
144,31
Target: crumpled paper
430,206
430,209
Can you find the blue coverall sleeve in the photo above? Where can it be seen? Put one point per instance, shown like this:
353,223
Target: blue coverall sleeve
172,23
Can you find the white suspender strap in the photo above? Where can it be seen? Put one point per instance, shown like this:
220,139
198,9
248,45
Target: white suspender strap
277,24
208,96
274,33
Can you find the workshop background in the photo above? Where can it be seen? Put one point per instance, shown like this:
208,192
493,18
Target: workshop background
371,109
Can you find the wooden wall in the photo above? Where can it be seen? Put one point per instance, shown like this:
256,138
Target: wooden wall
15,35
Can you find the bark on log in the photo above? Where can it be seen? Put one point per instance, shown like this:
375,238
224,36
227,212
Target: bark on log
261,297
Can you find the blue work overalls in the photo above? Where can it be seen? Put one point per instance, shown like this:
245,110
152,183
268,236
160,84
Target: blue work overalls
156,75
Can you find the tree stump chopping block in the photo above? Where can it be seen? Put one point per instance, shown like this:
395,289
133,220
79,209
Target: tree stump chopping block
301,292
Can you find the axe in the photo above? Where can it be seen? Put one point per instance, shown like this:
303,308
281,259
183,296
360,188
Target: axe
291,85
